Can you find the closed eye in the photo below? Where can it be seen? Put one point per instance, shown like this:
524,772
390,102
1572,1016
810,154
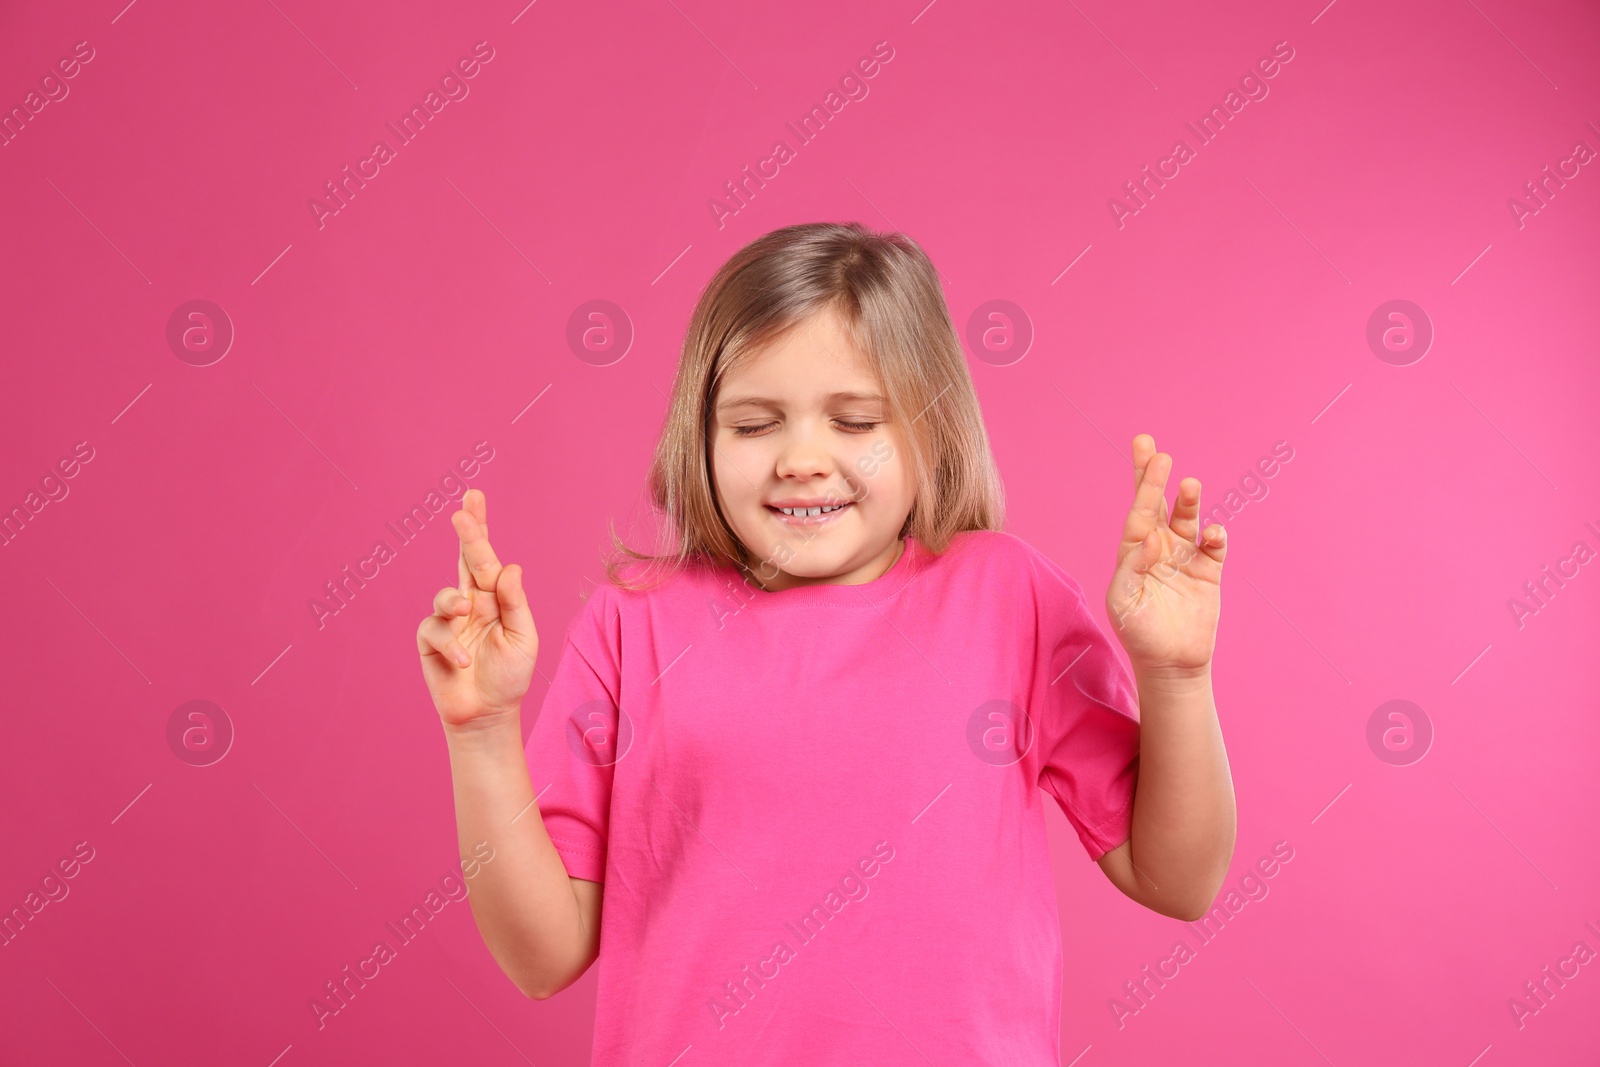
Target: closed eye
854,427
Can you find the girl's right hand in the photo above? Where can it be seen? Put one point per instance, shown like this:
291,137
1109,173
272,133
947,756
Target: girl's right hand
479,645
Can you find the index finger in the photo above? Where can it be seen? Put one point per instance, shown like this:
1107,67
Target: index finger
1149,500
479,567
463,574
1144,450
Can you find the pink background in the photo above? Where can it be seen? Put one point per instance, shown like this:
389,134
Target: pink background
371,354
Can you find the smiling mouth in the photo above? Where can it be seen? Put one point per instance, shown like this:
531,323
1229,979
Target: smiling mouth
814,516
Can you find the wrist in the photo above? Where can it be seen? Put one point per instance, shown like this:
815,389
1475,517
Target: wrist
1168,678
490,728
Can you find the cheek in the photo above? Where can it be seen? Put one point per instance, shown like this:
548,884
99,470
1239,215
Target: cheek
724,450
895,476
733,464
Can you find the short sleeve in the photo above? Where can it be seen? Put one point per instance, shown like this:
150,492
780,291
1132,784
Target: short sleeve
1086,708
572,747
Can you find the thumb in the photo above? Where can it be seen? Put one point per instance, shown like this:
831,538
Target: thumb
1127,580
515,618
1148,552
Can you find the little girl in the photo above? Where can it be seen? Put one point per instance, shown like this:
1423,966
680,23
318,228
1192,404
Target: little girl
802,750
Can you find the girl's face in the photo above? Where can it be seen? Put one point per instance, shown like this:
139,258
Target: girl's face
803,426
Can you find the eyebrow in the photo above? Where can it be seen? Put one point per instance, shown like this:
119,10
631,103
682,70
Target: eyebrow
765,402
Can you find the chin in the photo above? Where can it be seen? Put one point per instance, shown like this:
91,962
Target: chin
802,559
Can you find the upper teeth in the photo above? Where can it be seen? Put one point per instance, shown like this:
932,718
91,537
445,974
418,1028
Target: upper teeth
811,511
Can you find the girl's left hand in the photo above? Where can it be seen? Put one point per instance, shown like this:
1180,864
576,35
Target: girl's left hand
1166,592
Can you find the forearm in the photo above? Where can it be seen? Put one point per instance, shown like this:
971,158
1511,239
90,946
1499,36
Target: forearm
1184,818
523,901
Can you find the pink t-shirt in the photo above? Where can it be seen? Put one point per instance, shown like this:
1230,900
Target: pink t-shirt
817,812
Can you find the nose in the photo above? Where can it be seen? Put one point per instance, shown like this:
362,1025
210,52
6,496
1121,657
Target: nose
804,454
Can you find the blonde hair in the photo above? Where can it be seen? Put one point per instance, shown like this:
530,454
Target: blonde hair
886,293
